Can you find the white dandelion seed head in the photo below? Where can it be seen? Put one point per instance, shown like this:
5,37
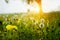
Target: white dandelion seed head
41,25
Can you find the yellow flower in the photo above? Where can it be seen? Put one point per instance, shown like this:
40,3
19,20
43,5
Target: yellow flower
10,27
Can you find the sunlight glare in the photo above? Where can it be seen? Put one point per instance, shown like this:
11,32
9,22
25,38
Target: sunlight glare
34,7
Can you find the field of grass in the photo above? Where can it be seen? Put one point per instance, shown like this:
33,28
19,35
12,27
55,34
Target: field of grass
30,26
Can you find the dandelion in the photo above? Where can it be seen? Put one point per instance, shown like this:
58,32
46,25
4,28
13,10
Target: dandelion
41,25
11,27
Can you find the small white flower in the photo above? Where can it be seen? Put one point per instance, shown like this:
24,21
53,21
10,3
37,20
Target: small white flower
41,25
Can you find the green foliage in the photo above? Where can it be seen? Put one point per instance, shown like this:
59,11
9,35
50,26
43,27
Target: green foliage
28,29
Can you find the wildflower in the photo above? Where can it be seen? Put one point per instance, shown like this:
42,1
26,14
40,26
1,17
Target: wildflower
41,25
11,27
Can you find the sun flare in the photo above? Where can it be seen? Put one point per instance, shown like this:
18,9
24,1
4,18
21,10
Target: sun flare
34,8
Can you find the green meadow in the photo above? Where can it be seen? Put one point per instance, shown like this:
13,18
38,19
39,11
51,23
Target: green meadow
30,26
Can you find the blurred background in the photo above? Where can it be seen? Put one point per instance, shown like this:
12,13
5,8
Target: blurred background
29,19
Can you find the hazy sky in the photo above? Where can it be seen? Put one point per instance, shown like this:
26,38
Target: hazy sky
51,5
19,6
